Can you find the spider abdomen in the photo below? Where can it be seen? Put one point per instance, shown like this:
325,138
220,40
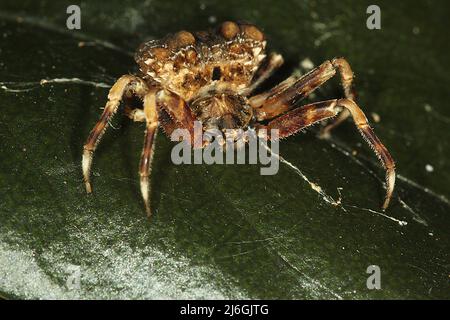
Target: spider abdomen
191,63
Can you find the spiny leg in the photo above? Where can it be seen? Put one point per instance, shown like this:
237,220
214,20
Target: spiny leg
175,113
151,118
284,96
307,115
347,77
383,154
268,66
114,98
176,108
302,117
258,100
287,95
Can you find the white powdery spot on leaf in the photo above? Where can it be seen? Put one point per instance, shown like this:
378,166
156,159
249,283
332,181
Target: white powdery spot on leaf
121,273
21,276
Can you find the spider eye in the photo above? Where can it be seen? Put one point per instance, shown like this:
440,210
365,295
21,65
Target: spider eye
216,73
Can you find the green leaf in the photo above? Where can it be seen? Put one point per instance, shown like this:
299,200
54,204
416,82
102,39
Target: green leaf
223,231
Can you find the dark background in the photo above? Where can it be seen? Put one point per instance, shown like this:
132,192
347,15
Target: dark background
223,231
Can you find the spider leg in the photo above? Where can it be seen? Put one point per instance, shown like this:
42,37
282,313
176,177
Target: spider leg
284,96
307,115
302,117
175,113
347,77
124,83
272,62
258,100
151,119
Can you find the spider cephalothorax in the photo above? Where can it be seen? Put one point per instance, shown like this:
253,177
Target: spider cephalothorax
210,76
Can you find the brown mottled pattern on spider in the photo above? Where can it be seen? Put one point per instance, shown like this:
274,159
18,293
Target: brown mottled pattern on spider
210,76
185,62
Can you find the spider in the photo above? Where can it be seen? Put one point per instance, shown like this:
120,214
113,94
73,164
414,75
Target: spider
210,76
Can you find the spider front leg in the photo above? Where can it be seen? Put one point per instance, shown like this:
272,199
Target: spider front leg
310,114
171,112
176,114
151,120
284,96
126,82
